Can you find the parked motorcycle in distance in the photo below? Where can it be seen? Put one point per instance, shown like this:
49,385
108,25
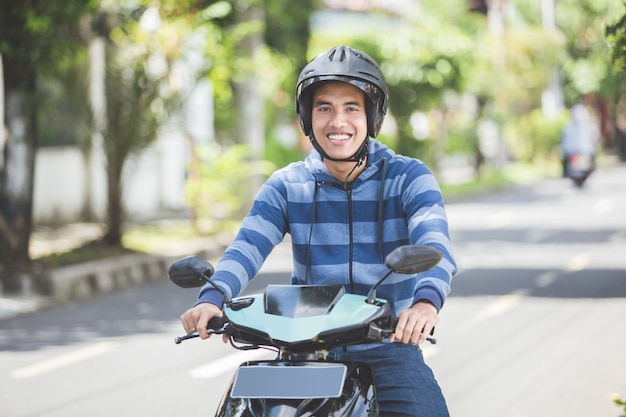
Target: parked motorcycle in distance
302,323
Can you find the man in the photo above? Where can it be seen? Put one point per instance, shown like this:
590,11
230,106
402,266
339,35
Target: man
346,206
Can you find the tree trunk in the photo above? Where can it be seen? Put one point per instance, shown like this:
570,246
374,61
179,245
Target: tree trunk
115,210
248,96
16,183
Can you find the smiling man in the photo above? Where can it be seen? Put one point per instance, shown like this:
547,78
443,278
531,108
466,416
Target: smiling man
347,206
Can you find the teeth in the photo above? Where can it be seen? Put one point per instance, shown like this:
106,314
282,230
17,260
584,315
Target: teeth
339,137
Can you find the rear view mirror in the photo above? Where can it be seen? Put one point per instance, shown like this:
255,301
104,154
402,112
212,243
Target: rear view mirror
411,259
190,272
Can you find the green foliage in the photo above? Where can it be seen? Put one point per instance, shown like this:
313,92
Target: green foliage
617,399
421,60
36,39
39,37
63,98
90,251
461,139
534,135
587,65
218,188
138,99
616,36
280,153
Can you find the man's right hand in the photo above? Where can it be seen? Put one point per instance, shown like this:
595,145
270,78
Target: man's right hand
197,318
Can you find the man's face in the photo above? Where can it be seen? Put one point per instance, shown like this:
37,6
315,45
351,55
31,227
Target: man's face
339,119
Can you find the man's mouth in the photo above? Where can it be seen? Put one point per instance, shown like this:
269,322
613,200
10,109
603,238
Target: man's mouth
338,136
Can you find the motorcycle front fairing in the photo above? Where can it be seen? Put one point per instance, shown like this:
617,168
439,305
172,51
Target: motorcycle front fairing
302,318
303,322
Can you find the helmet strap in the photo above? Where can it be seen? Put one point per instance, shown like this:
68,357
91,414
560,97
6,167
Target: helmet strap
358,156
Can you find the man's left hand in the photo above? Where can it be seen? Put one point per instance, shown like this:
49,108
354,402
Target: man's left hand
415,323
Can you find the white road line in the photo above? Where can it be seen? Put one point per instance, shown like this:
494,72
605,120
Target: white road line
229,363
498,307
61,361
578,262
604,206
546,279
499,220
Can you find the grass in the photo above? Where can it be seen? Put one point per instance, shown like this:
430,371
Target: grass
157,236
89,251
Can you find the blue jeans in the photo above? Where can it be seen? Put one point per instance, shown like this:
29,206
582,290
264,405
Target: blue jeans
406,385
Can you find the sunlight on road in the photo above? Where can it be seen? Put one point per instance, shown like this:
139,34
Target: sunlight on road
578,262
64,360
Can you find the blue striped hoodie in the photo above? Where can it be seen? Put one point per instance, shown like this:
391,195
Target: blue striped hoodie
341,234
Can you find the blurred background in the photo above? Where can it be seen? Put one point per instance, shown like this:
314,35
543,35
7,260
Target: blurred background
121,112
134,131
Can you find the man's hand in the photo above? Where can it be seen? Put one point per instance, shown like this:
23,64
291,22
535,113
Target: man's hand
415,323
197,318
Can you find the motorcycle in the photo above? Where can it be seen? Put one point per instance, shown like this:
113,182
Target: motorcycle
302,323
579,167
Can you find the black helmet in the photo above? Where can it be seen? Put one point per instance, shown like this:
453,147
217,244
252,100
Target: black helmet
342,63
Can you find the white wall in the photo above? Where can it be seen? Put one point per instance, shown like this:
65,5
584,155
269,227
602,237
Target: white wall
67,185
60,183
154,183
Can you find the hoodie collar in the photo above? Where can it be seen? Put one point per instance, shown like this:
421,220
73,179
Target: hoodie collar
377,151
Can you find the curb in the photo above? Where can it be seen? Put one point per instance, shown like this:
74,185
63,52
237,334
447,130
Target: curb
85,280
89,279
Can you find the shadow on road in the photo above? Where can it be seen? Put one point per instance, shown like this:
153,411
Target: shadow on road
537,236
153,308
589,283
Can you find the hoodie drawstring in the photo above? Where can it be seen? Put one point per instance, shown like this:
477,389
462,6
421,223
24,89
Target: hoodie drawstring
381,208
313,216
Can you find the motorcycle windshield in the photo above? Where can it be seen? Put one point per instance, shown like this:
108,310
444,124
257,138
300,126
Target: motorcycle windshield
301,301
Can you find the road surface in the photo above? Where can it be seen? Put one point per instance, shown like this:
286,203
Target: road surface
534,325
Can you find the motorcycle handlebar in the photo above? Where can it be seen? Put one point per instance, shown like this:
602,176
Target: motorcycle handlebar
215,326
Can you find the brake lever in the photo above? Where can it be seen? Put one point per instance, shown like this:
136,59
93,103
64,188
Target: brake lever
217,325
179,339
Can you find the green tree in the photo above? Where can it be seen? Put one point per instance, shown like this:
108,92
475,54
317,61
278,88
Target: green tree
616,36
615,86
137,63
142,90
36,39
422,59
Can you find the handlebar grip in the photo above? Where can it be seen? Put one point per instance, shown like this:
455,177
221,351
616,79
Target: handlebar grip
216,323
393,321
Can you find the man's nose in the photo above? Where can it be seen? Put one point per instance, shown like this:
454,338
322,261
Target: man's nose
337,120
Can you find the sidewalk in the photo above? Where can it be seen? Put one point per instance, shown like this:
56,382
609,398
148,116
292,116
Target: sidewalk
84,280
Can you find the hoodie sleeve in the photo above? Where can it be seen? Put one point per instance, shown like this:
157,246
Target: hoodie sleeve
428,225
263,228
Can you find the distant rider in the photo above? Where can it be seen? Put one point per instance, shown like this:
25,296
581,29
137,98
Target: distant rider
578,137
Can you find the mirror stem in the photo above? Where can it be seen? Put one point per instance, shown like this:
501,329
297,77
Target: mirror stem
227,300
371,295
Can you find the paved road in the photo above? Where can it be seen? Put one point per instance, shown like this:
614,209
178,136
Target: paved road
534,325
